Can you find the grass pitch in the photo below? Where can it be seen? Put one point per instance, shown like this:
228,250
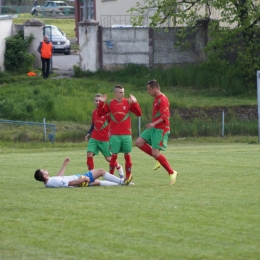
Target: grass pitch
212,212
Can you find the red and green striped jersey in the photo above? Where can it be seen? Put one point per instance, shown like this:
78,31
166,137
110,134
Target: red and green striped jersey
161,109
101,131
120,123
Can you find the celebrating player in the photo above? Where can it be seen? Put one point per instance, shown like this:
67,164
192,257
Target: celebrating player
120,125
86,179
154,139
99,140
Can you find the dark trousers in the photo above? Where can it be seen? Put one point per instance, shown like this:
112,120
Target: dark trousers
45,67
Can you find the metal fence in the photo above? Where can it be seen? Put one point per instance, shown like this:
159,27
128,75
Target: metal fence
119,21
22,131
15,9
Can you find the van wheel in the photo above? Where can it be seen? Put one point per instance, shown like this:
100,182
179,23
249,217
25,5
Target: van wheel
67,52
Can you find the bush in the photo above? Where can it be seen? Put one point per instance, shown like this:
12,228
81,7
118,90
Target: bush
17,57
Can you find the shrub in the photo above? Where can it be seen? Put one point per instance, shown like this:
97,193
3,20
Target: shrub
17,57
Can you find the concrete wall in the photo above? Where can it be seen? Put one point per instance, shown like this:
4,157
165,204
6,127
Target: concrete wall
149,47
125,45
34,27
88,45
166,54
113,47
17,28
6,31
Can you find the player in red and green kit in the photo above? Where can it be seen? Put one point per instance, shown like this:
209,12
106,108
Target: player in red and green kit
99,140
120,125
154,139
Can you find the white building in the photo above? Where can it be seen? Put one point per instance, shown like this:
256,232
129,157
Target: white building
6,31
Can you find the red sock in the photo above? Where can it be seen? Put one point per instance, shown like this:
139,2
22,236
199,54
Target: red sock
128,165
90,163
112,163
163,161
147,149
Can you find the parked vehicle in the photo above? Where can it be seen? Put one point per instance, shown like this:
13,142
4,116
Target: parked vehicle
59,40
53,8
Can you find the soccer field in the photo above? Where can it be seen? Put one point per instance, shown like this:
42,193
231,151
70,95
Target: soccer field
212,211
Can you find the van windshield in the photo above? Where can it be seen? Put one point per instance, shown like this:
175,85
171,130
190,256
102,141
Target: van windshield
53,31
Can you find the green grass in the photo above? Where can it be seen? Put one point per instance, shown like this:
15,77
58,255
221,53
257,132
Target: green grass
75,94
212,212
65,25
69,102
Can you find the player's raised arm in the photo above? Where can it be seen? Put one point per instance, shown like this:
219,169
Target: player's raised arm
135,107
103,108
103,98
133,99
63,167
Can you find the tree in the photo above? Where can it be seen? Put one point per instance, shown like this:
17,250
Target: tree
234,35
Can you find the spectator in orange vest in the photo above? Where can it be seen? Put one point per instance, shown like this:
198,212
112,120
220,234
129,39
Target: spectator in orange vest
45,49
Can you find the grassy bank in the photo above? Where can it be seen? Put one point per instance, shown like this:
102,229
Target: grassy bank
70,101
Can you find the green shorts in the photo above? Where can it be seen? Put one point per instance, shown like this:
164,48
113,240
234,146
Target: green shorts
95,147
155,138
120,144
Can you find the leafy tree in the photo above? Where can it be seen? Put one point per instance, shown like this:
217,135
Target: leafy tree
234,36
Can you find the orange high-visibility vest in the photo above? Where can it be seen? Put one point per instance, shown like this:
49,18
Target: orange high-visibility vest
46,50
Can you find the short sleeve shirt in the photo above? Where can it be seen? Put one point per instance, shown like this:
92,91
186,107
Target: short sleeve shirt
161,109
101,127
60,181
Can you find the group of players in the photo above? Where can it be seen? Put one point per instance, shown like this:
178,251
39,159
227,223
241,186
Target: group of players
111,134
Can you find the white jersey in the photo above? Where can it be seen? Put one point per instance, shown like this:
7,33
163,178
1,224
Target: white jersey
60,181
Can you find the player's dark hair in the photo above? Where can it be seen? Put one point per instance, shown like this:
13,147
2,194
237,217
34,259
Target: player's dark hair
38,175
153,84
118,86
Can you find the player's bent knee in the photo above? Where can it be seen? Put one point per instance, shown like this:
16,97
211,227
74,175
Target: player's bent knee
101,171
139,142
108,159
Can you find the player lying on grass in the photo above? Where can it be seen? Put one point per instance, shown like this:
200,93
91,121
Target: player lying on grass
86,179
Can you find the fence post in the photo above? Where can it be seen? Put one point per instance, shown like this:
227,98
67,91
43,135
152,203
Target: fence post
258,101
44,128
223,123
139,126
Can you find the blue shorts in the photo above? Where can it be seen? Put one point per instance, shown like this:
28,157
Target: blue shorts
87,174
